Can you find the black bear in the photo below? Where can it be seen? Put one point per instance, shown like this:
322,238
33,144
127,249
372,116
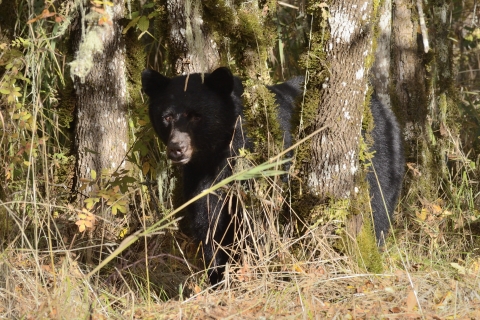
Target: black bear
198,118
388,166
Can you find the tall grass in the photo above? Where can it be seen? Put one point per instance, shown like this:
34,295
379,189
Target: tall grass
284,267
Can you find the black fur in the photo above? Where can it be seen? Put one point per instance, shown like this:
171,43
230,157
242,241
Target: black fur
201,128
386,176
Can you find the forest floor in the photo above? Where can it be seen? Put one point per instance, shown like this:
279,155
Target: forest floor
399,295
30,288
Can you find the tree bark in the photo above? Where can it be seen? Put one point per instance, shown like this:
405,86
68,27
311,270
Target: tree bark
193,48
409,100
408,71
334,152
380,73
101,130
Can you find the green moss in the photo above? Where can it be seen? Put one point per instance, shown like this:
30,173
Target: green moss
245,33
219,16
261,113
135,63
367,253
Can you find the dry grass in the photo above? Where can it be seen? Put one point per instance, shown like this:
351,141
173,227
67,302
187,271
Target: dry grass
431,267
325,287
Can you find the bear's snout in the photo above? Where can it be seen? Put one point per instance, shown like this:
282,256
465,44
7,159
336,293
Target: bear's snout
179,148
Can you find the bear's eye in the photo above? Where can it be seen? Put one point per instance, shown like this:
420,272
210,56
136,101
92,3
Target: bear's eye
196,117
168,118
192,116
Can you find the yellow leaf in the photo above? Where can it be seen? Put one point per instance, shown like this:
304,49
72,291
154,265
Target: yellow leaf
422,215
93,174
436,209
145,168
298,268
81,225
446,213
123,233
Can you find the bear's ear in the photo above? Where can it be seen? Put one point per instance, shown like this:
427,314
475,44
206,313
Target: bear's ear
221,81
152,82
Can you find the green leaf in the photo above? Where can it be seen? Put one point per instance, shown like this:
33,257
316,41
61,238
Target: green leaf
25,116
93,174
120,208
152,15
130,24
90,202
143,23
4,91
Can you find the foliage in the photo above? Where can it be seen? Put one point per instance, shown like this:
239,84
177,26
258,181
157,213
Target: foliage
428,268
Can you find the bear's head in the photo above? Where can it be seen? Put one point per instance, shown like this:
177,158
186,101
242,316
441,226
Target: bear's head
193,115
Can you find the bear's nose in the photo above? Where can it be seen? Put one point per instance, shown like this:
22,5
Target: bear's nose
176,151
179,148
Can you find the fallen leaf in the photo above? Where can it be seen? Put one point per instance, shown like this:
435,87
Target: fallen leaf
411,301
459,268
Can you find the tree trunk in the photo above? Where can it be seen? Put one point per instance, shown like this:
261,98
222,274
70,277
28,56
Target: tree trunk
193,48
408,71
334,152
380,73
409,97
101,130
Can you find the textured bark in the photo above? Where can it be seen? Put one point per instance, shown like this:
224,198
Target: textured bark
193,48
409,97
408,70
334,160
380,73
101,131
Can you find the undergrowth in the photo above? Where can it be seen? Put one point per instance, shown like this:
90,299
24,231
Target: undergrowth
285,268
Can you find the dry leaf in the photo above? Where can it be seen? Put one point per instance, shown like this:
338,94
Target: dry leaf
197,289
411,301
416,172
459,268
395,310
445,300
244,273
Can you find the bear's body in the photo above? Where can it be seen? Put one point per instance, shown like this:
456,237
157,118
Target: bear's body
201,127
388,166
200,124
